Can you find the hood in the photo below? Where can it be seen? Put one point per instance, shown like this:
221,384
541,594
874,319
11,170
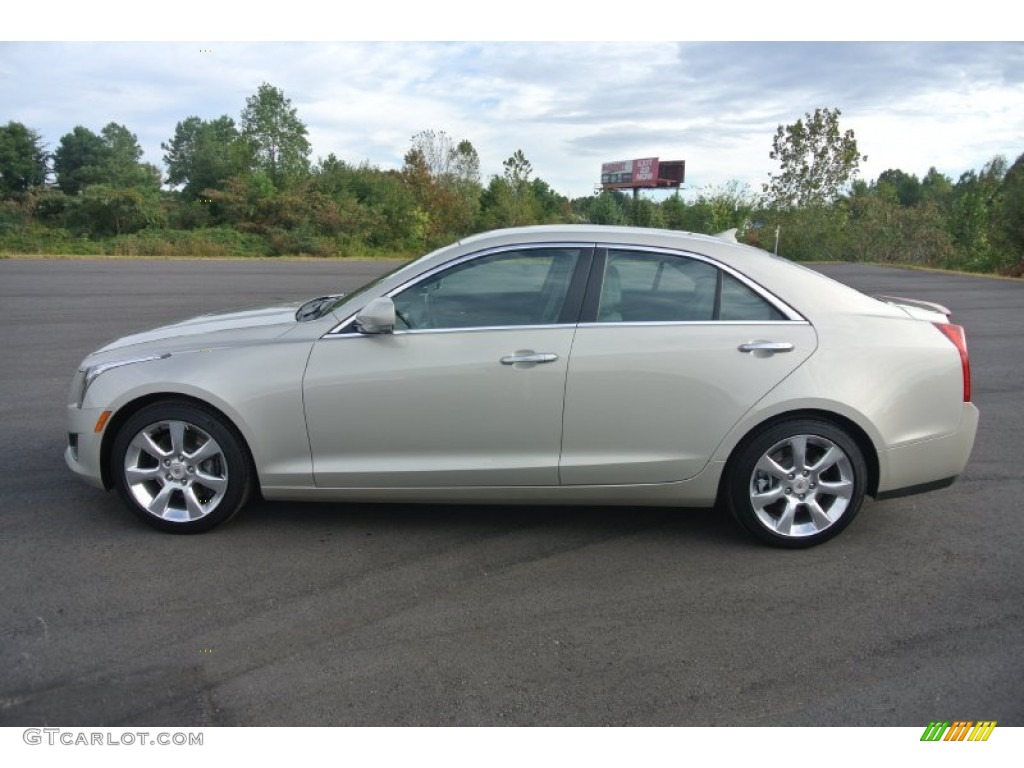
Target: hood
228,328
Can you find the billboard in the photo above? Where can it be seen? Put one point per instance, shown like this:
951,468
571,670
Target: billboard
631,173
645,172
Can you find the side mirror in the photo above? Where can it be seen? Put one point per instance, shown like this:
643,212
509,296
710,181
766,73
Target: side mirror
377,317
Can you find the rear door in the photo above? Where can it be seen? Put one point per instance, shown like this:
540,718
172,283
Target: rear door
672,351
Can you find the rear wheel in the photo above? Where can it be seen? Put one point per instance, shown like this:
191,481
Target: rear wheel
797,483
180,467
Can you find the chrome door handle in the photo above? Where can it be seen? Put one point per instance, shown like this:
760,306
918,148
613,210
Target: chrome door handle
530,357
766,346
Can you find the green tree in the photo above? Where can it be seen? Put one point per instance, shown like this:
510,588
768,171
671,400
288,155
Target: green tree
936,187
816,161
510,199
103,209
78,160
124,167
113,157
202,154
971,213
444,178
1010,219
278,138
900,186
22,159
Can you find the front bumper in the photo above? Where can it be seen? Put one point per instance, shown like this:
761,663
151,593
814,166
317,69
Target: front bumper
83,452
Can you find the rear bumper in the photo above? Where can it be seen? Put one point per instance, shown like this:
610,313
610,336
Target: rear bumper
928,464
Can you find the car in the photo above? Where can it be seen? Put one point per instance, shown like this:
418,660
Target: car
576,364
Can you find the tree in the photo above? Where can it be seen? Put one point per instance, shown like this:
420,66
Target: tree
107,210
22,159
124,167
510,199
278,138
465,165
444,160
900,186
816,161
974,202
113,158
444,179
78,160
936,187
202,154
1011,213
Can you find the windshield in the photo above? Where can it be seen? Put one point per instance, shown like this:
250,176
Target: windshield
347,297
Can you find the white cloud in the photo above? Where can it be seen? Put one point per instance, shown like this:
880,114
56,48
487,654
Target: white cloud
568,106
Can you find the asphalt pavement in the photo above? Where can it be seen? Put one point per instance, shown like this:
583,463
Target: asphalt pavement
329,614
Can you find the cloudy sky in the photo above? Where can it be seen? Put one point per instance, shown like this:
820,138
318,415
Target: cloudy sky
569,106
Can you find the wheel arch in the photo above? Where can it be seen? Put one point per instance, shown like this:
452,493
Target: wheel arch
132,407
854,430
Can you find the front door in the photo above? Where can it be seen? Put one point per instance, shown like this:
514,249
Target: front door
469,388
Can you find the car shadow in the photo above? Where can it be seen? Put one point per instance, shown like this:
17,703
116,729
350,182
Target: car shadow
600,522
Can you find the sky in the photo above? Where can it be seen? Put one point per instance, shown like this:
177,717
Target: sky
568,104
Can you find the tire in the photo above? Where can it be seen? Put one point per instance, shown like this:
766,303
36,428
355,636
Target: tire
797,483
180,467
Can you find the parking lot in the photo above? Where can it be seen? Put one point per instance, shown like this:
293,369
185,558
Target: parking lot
327,614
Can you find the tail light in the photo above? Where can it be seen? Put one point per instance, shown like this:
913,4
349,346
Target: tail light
955,333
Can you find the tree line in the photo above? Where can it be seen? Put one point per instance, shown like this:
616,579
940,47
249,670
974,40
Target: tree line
249,187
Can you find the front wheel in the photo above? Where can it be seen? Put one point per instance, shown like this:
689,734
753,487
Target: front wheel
797,483
180,467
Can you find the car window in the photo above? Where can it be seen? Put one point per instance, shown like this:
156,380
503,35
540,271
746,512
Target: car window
653,287
520,287
741,303
658,287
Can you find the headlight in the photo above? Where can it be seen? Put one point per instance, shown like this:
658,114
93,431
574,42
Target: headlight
84,377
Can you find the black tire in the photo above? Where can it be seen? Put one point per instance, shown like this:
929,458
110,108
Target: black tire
788,501
180,467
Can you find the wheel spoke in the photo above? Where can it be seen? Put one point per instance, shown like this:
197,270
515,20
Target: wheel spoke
784,526
819,517
799,446
177,432
144,442
192,504
136,475
769,466
216,484
207,450
843,489
832,457
761,500
158,506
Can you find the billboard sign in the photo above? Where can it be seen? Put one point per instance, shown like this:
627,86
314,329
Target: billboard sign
630,173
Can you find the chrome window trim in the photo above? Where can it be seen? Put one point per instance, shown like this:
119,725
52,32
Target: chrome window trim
343,325
606,324
764,293
792,315
473,329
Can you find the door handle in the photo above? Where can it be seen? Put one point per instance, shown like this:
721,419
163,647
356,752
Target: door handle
767,347
529,357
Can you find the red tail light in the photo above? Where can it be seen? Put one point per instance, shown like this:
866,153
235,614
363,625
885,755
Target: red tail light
955,333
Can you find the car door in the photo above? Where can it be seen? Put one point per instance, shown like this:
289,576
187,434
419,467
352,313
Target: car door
469,388
671,351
